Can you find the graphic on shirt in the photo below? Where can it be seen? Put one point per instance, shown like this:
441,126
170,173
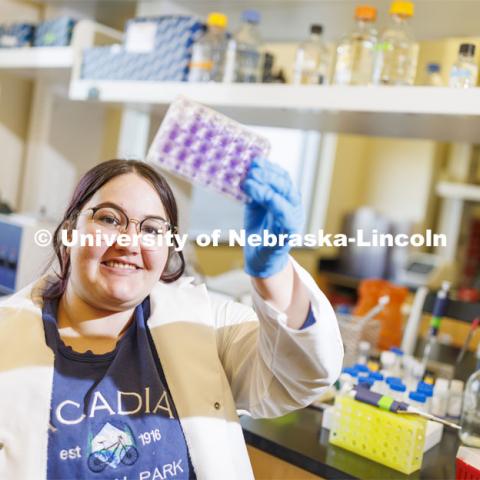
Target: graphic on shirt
112,416
112,446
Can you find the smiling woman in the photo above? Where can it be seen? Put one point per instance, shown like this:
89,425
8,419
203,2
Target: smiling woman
119,366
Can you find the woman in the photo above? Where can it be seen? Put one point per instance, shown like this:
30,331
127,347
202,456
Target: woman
107,372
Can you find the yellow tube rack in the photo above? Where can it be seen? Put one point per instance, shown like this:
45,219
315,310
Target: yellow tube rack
394,440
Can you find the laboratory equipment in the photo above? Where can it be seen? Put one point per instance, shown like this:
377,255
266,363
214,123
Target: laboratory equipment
387,403
398,391
206,147
437,314
389,362
470,433
464,72
247,42
440,398
393,380
473,327
433,433
467,463
355,329
355,51
417,400
352,373
425,269
397,52
312,60
391,317
362,368
363,352
382,436
426,390
208,54
434,79
410,333
21,260
454,408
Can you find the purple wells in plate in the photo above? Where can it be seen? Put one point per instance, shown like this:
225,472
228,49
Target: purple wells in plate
206,147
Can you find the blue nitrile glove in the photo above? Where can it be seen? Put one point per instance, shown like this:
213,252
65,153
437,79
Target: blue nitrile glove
274,205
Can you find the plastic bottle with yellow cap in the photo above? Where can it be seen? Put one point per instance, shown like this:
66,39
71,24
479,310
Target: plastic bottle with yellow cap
208,53
397,51
355,52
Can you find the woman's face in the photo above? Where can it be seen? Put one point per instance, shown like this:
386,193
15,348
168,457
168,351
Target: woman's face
118,277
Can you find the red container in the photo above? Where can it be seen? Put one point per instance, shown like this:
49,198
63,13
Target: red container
465,471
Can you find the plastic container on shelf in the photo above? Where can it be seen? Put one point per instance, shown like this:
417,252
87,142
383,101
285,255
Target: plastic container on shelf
433,77
391,317
208,54
312,60
246,44
397,51
464,72
355,52
206,147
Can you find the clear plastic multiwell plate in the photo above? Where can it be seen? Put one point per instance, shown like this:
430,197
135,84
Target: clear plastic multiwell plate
206,147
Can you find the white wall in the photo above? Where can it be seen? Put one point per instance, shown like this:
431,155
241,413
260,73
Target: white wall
15,95
399,177
14,11
394,176
70,143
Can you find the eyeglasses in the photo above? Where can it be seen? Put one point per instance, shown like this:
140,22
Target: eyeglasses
114,219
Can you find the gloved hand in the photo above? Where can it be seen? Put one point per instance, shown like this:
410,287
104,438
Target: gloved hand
274,205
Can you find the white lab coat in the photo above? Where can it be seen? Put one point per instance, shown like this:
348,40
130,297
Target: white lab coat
218,357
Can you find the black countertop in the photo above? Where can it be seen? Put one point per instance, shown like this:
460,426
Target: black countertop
299,439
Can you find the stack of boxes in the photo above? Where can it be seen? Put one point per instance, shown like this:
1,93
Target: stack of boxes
51,33
154,48
16,35
54,33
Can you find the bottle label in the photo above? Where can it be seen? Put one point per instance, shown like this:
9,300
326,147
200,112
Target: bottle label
201,65
461,73
383,47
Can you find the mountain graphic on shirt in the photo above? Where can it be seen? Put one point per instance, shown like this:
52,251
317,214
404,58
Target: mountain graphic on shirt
112,446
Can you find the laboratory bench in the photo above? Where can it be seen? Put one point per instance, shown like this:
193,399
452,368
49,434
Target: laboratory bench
299,439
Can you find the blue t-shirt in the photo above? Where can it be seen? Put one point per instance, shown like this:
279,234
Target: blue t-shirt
112,416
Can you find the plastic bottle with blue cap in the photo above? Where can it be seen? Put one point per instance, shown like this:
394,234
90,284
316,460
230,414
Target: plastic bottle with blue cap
397,391
248,43
427,390
417,400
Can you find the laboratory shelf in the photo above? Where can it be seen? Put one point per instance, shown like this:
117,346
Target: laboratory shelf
422,112
35,61
459,191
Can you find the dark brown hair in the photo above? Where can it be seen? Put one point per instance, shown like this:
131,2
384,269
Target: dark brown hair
92,181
